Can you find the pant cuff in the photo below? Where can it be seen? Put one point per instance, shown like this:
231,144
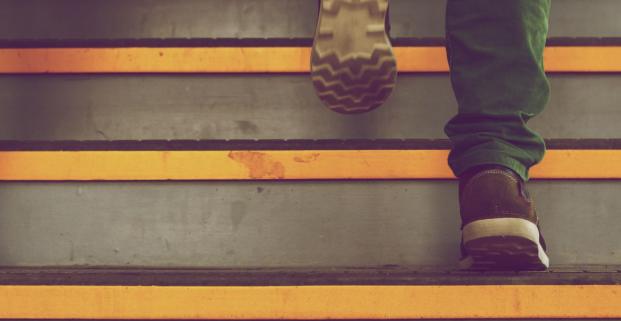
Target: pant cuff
466,162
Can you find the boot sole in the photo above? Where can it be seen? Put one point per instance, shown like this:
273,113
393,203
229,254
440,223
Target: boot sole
353,67
503,244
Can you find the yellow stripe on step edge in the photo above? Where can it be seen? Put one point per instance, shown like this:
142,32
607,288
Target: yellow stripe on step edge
278,165
310,302
260,60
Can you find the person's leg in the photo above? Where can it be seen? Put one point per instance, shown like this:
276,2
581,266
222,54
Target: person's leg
495,50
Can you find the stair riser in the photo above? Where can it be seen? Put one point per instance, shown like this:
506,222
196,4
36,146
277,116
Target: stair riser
58,107
110,19
270,224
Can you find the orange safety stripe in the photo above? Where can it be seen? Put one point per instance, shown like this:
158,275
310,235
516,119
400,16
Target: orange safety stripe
310,302
260,60
281,165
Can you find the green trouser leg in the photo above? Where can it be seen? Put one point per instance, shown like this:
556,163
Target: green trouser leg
495,50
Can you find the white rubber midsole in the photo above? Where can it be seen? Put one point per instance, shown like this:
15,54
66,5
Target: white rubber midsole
507,226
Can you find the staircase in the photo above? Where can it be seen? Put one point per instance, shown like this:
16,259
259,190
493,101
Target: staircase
165,159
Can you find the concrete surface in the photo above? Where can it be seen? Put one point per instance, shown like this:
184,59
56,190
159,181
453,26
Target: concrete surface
280,224
60,107
120,19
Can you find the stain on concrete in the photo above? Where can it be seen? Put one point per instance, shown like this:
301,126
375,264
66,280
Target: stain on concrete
71,251
247,127
205,216
260,165
238,212
306,158
260,189
517,302
165,157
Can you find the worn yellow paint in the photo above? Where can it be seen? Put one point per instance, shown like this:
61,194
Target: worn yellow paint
260,60
284,164
583,59
310,302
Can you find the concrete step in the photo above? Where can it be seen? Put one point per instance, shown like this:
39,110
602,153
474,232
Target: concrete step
280,224
264,164
301,233
593,56
383,275
152,19
380,293
134,107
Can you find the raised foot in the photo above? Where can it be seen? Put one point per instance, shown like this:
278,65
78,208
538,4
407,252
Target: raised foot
353,67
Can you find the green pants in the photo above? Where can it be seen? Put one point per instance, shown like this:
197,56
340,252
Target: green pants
495,51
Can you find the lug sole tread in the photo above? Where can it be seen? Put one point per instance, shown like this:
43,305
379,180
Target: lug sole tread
504,253
353,80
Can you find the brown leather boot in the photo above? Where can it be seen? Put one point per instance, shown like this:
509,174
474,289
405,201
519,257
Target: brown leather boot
499,223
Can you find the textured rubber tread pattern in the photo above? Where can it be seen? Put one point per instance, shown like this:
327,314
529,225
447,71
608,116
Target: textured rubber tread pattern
503,253
353,67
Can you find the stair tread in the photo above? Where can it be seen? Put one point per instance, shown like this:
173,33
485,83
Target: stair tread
391,275
274,144
255,42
